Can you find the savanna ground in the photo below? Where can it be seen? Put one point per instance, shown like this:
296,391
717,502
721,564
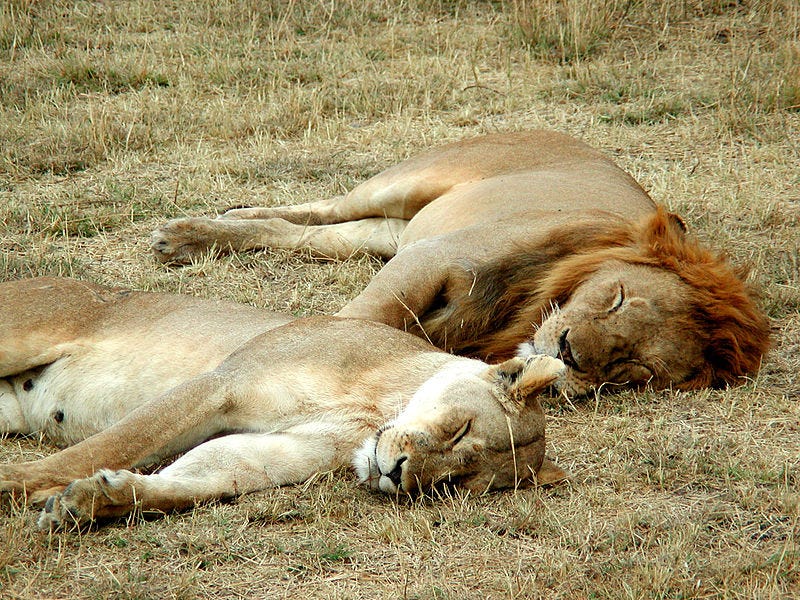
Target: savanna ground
115,116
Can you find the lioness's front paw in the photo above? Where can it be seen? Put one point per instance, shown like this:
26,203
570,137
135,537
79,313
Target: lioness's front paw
13,479
22,481
11,486
548,371
180,240
105,494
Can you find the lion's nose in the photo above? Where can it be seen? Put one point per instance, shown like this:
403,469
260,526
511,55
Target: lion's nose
396,473
565,351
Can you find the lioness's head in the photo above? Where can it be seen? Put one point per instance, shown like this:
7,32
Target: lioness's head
660,311
471,426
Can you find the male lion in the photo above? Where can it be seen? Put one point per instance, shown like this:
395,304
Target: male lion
132,378
528,237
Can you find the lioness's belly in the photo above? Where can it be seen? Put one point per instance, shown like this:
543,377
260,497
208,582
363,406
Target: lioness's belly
81,394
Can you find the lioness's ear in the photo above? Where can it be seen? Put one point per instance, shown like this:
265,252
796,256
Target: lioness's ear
517,379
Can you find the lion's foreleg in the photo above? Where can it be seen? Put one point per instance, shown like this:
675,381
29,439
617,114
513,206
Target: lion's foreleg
224,467
401,292
188,412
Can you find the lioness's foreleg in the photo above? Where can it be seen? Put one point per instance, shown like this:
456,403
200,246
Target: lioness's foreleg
177,420
224,467
180,240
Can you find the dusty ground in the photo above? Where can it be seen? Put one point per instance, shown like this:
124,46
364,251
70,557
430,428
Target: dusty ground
117,115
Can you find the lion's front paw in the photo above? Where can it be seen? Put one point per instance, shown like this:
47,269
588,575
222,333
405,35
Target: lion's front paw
105,494
180,240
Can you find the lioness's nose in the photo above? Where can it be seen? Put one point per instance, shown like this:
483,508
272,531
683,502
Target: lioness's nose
396,473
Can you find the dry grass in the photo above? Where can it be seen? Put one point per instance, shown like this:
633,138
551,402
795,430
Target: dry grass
117,115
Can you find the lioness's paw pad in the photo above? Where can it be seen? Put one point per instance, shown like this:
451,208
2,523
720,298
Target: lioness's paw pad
51,517
59,512
106,493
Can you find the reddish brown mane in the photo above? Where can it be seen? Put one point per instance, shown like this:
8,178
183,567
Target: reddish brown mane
725,315
508,299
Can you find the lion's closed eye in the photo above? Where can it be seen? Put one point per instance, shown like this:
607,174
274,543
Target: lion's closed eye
619,299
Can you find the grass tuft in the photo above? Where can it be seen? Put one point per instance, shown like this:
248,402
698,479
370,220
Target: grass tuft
567,30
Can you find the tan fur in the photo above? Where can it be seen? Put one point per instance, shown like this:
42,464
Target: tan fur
253,398
493,238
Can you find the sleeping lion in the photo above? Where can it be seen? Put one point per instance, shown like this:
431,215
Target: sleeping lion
255,399
529,238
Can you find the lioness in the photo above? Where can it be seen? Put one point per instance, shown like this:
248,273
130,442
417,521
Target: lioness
529,237
132,378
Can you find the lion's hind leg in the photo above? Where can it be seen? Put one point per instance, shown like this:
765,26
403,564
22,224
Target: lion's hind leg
388,195
320,212
339,227
220,468
181,240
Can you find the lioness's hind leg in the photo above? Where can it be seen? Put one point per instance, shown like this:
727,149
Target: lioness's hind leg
223,467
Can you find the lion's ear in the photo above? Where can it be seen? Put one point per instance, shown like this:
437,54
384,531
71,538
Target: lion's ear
517,379
664,235
665,229
550,473
677,223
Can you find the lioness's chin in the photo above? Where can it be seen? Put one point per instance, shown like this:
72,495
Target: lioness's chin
365,463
